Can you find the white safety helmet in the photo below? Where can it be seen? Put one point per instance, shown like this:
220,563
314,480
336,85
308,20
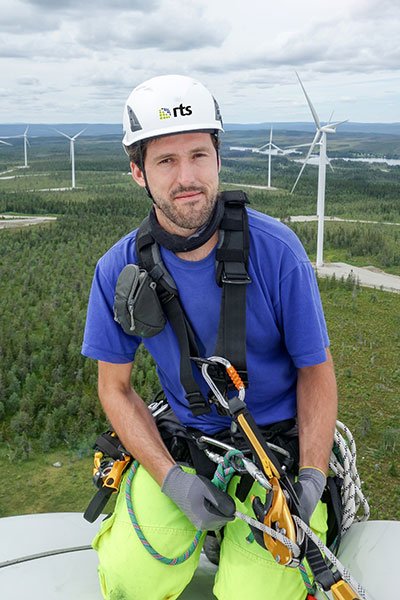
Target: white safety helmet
169,104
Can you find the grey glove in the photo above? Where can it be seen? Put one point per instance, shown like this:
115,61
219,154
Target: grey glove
309,488
205,505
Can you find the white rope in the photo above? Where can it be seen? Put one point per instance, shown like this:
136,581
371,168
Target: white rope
354,503
344,572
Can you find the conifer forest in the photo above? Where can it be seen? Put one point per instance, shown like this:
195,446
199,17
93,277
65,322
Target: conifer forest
48,397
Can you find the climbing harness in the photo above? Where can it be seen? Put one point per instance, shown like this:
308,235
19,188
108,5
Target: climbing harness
142,287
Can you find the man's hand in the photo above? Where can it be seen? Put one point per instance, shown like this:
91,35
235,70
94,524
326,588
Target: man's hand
309,488
207,507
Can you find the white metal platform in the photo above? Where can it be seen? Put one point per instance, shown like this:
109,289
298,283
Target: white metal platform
46,557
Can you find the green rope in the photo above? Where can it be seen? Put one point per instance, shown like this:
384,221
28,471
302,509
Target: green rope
221,479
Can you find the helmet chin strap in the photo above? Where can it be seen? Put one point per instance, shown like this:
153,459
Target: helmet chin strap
141,166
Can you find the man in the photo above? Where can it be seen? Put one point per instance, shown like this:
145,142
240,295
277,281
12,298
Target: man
171,128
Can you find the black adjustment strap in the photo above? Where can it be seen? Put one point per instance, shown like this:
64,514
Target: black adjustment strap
322,574
231,273
149,258
97,504
109,445
175,315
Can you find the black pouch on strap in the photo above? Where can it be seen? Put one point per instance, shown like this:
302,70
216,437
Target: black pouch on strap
136,305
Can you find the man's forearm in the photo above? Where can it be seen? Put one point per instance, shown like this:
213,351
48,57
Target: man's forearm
317,412
137,430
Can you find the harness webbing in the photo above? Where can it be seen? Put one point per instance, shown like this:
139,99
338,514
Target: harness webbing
231,275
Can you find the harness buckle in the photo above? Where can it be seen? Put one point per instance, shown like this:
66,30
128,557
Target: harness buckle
235,278
198,405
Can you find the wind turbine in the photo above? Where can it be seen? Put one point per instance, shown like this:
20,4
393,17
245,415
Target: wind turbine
26,143
321,140
270,145
72,151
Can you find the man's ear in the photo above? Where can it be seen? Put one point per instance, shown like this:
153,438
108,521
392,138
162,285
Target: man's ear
137,175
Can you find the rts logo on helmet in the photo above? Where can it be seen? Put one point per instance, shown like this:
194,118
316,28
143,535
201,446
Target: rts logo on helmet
178,111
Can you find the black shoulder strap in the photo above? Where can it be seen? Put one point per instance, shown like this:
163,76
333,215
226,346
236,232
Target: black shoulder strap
149,258
231,273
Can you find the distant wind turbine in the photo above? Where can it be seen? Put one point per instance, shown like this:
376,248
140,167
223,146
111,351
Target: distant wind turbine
320,140
278,150
72,151
26,143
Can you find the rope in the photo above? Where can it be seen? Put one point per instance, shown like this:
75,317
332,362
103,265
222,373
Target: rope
344,572
221,479
343,464
146,544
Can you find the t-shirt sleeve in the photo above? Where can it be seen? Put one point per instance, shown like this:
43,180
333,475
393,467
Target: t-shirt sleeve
104,338
303,322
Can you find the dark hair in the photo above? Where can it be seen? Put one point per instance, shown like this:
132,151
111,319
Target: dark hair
137,151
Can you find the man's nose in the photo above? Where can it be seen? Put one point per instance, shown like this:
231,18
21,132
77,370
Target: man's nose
185,173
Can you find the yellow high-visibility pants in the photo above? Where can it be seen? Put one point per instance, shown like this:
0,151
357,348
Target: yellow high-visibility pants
246,570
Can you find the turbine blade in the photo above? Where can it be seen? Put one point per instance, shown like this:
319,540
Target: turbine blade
75,136
298,146
64,134
330,164
338,123
26,130
310,104
263,147
6,143
314,143
270,135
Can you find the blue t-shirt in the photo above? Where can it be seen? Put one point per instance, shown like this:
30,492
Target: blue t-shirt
285,324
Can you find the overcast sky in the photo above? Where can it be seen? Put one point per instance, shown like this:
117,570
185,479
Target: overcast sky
74,61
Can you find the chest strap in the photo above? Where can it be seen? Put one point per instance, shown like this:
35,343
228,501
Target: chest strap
231,275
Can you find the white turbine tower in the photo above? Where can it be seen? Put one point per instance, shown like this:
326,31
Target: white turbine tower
26,144
277,150
319,139
72,151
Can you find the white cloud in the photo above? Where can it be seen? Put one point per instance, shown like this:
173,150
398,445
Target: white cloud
76,53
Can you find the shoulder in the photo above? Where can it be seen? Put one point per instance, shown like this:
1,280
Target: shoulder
117,257
270,235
